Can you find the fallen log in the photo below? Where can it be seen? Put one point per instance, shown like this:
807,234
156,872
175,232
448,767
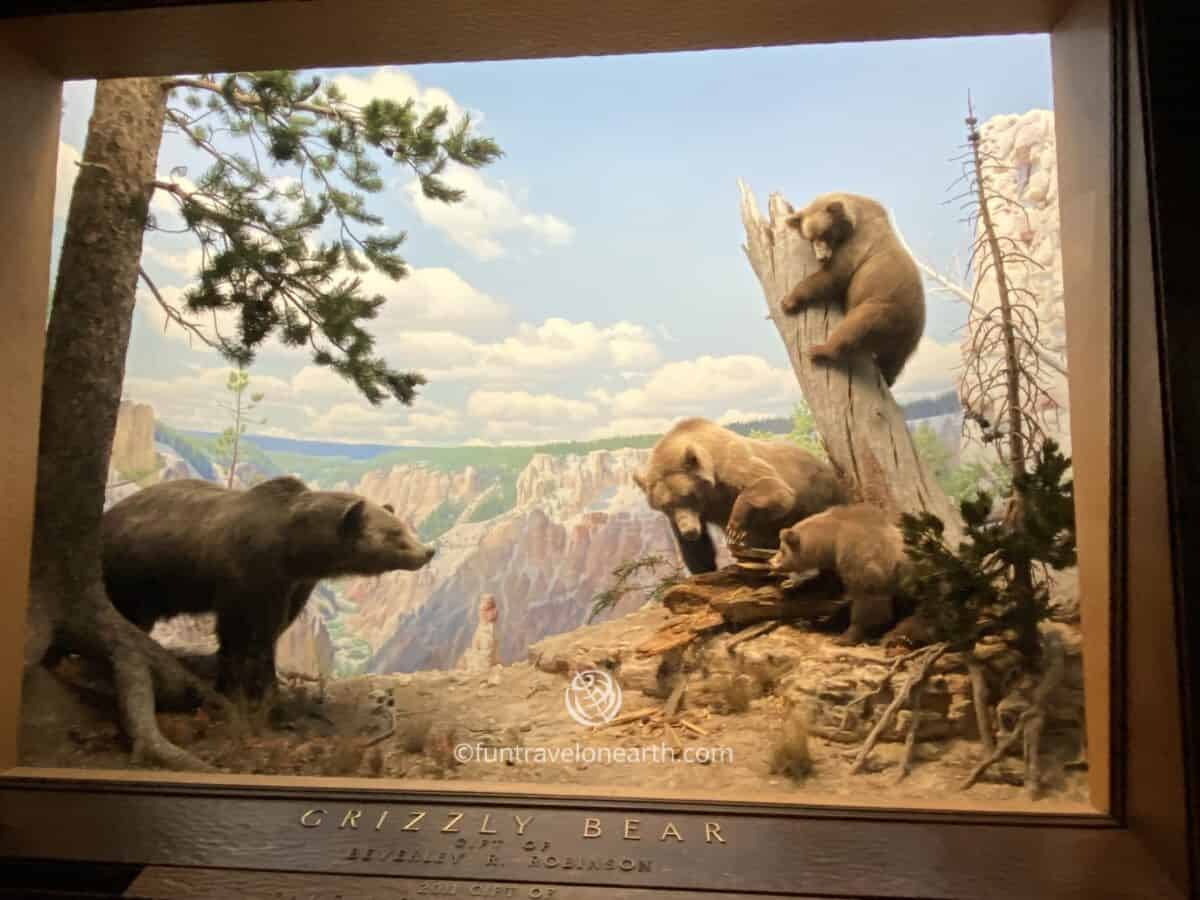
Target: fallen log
732,596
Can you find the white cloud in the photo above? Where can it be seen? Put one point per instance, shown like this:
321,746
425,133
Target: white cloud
931,370
182,262
64,179
624,427
520,432
485,215
391,83
522,406
321,382
559,343
693,386
165,203
553,346
731,416
190,401
433,299
315,402
490,211
389,423
223,321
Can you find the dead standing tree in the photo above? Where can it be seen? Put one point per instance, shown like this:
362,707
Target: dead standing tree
860,423
1003,388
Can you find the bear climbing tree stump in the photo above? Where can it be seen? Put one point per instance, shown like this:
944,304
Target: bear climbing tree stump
860,423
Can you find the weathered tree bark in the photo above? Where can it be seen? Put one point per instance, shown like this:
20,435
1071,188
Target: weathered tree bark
860,422
86,342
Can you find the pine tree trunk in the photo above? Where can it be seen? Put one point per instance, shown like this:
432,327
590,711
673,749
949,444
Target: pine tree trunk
86,342
862,426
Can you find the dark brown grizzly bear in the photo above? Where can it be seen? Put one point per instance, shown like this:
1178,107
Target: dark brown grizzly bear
252,557
700,472
865,267
864,548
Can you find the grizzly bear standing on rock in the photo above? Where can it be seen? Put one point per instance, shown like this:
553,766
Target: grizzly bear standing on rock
252,557
700,472
863,547
865,267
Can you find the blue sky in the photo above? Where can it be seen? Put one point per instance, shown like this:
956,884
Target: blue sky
593,281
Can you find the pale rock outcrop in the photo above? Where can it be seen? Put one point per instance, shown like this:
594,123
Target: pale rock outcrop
483,652
133,442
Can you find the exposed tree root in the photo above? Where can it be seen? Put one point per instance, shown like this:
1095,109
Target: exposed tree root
910,739
145,675
979,698
922,659
1028,727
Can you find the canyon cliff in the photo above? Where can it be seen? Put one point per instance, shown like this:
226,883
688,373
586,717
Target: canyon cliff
576,517
133,444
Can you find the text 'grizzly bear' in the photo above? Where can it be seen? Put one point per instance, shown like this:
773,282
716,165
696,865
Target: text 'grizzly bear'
865,267
700,472
864,548
252,557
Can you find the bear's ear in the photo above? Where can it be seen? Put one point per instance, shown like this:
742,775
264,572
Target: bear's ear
698,462
789,537
639,478
389,508
795,220
836,208
353,519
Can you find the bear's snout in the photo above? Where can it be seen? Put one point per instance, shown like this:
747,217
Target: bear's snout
430,553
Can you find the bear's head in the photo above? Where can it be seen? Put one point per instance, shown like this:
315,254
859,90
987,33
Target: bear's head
790,557
827,223
333,533
681,484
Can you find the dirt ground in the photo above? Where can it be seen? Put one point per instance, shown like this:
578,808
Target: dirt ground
417,726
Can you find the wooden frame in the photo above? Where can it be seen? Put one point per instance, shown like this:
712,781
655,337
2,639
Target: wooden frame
1138,842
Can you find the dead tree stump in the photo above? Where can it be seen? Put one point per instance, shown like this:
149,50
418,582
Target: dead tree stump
860,423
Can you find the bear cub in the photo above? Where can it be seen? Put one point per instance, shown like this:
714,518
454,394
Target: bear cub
700,472
252,557
865,267
864,548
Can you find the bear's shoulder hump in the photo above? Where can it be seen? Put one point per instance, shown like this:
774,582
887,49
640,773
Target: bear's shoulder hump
283,488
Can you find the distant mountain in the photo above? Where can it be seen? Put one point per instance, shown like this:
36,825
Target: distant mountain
273,444
926,407
329,463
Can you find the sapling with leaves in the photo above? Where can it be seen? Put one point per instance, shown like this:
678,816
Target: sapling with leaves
241,410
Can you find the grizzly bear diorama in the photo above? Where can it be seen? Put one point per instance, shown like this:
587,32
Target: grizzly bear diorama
700,472
252,557
865,267
864,548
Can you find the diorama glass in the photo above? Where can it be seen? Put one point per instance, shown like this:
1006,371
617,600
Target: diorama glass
599,422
